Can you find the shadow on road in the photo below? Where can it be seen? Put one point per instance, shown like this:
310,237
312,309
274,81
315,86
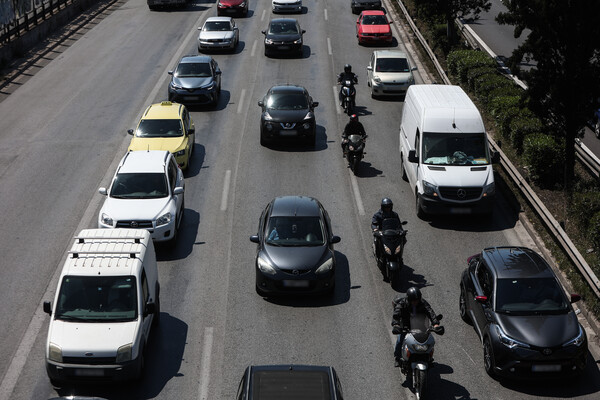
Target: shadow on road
186,239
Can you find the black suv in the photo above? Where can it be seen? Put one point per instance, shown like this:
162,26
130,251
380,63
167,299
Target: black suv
287,113
522,315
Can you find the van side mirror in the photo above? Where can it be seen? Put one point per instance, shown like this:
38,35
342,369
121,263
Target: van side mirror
103,191
48,307
575,297
150,308
412,156
254,239
495,157
178,190
335,239
369,68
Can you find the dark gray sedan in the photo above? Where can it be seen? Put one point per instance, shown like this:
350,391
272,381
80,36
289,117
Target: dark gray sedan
359,5
195,80
283,36
294,247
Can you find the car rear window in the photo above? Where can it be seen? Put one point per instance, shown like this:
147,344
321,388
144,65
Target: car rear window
291,385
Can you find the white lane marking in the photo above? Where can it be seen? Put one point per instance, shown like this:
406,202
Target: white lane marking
205,364
37,321
359,202
329,47
241,103
225,190
253,48
325,13
336,100
262,16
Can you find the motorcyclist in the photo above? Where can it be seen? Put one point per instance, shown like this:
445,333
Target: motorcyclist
346,75
386,211
404,307
353,127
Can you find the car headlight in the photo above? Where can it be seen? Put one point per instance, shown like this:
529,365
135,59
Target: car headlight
243,4
210,87
508,341
387,249
299,41
265,267
429,189
106,220
267,116
55,353
268,41
309,115
577,340
163,219
376,79
124,353
421,347
325,267
489,190
180,153
176,86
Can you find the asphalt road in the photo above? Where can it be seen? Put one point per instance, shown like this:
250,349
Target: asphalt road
63,132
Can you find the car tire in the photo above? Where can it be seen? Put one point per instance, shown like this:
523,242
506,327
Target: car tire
488,358
266,52
462,307
263,141
420,212
354,10
597,128
259,291
142,366
373,95
404,176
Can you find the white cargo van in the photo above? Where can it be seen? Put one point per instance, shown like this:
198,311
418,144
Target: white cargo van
444,152
106,301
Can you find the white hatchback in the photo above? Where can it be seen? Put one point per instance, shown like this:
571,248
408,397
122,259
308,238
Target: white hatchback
389,73
287,6
147,192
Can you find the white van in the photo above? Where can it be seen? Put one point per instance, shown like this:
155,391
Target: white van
444,152
106,301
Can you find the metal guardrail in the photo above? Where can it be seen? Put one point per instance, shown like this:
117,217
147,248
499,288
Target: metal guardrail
23,22
546,216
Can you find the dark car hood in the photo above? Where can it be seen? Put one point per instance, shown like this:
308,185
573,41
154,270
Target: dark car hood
190,83
540,330
283,38
289,258
288,115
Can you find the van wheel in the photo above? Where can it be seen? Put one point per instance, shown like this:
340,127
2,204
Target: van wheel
404,176
142,363
420,212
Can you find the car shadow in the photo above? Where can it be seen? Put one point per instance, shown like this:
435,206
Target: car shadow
439,388
297,146
340,295
237,50
164,355
196,162
195,6
224,99
280,56
390,99
186,239
498,221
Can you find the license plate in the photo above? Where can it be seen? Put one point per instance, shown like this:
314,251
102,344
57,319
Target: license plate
291,132
545,368
283,47
190,97
460,211
89,372
296,284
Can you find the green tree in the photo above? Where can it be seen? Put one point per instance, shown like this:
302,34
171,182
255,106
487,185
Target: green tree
564,83
449,10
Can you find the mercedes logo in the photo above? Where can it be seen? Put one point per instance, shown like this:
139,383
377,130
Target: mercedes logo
547,352
134,224
461,193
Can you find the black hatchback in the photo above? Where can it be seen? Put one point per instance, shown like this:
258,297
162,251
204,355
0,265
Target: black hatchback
521,313
295,247
287,113
283,36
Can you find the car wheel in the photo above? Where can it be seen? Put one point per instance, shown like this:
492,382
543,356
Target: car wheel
462,306
354,10
142,363
266,52
373,96
420,212
259,291
263,141
597,128
488,358
404,176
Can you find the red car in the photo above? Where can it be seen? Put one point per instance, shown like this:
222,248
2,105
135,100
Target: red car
228,7
373,27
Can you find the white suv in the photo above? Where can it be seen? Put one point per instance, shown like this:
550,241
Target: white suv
146,192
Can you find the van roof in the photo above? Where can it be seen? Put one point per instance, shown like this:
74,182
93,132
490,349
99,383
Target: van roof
105,252
443,105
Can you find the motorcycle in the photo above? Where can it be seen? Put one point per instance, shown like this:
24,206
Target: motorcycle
354,147
348,95
417,352
393,239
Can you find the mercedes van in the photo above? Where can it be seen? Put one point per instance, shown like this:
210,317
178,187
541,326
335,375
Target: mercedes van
444,152
106,303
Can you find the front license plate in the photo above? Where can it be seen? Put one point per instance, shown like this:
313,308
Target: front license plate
460,211
296,284
283,47
291,132
190,97
545,368
89,372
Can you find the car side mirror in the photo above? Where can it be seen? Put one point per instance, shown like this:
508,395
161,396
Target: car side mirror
335,239
391,22
481,299
404,223
263,32
199,28
315,103
150,308
439,317
191,131
178,190
575,297
303,31
369,68
103,191
171,72
48,307
254,239
413,69
412,156
218,72
495,157
130,131
261,103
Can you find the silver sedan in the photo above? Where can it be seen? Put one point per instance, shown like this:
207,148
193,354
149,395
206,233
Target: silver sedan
218,33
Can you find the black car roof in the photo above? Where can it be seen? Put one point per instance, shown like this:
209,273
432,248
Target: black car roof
516,262
301,206
276,20
296,381
287,89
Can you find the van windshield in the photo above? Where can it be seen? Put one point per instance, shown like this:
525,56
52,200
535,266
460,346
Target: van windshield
454,149
97,299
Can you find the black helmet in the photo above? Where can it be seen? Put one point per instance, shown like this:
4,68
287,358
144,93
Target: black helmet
413,294
347,68
387,204
354,118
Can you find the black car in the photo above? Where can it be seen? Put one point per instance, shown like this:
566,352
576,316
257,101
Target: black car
359,5
287,113
521,313
268,382
195,80
283,36
295,247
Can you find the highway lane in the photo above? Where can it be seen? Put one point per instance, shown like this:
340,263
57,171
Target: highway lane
213,322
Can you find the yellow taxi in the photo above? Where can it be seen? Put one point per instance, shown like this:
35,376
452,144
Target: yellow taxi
166,126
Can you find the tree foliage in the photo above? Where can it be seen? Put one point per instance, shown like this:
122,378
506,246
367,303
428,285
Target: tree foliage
564,84
448,10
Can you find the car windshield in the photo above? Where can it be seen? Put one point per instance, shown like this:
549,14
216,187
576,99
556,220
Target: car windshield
295,231
215,26
139,186
159,128
287,101
283,28
530,296
454,149
193,70
374,20
392,65
97,299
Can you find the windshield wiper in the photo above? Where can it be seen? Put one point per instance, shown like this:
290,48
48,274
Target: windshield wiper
71,318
